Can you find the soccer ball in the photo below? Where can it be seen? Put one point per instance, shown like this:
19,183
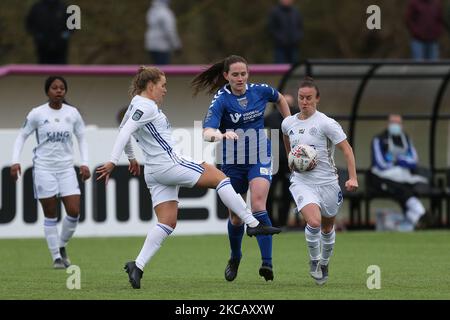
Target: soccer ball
302,158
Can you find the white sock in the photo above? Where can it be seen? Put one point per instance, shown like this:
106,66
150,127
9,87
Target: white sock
153,242
69,225
312,236
235,202
415,210
327,241
51,235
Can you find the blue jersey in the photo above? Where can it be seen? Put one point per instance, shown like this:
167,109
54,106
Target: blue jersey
245,115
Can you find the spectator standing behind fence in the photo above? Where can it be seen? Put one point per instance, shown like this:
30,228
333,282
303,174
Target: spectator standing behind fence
286,29
46,22
425,22
394,160
161,38
273,121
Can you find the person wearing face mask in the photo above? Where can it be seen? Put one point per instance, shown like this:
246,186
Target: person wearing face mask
394,160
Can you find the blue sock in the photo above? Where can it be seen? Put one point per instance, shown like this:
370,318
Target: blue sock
235,234
264,242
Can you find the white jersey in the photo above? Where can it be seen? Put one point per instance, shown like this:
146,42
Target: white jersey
322,133
152,131
54,129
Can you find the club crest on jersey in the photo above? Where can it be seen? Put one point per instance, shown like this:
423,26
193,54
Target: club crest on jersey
243,102
137,115
313,131
235,117
265,171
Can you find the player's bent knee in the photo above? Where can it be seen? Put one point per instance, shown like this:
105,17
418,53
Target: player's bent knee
313,223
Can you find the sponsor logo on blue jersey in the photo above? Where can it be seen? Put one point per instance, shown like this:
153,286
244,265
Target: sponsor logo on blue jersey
235,118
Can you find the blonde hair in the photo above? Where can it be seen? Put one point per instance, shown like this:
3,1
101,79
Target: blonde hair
141,79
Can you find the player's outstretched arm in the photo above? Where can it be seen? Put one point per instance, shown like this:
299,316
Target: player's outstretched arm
352,183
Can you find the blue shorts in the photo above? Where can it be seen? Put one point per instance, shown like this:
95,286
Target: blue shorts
241,174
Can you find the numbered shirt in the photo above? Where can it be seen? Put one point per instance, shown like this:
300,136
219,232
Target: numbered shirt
322,133
54,130
245,115
152,131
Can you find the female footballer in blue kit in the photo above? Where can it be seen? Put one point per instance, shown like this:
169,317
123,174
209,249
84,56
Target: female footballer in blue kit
236,116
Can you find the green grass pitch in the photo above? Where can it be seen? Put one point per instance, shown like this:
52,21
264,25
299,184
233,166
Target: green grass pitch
413,266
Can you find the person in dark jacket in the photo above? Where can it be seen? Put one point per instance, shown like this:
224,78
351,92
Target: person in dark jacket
46,22
425,22
286,29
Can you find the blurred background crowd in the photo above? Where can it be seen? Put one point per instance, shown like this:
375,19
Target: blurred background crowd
202,31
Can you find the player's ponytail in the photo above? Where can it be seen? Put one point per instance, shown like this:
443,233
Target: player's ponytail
212,78
141,79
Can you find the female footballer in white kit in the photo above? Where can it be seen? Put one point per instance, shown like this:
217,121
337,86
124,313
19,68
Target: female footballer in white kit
316,192
165,171
54,124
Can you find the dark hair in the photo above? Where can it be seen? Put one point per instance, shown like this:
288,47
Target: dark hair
141,79
212,78
50,80
308,82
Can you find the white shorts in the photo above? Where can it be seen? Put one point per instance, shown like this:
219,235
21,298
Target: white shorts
49,184
327,197
165,184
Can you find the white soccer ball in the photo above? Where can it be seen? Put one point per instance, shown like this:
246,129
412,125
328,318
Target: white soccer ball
302,158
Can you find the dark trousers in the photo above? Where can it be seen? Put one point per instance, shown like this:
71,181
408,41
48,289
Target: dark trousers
400,192
160,57
286,54
48,55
